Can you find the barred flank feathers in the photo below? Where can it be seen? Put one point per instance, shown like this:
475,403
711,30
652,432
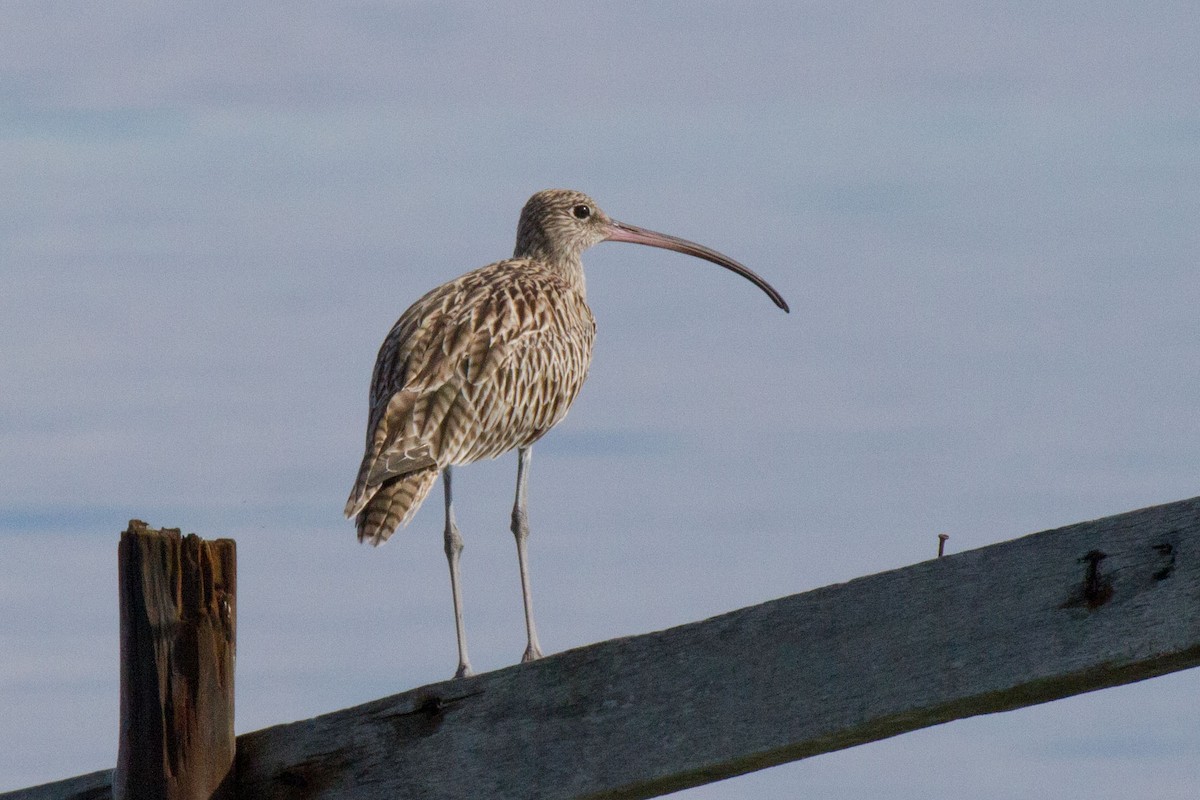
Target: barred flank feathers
394,505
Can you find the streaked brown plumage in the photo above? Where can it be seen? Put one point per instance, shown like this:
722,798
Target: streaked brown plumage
479,366
488,363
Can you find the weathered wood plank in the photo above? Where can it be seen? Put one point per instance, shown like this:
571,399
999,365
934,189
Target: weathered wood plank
92,786
1049,615
1046,616
178,618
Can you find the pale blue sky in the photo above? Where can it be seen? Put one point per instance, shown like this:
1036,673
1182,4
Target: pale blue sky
983,216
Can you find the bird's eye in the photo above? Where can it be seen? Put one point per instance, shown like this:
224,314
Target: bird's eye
581,211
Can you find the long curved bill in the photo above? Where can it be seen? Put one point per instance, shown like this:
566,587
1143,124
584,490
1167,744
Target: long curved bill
621,232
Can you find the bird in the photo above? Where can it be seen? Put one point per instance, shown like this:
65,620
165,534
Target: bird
488,363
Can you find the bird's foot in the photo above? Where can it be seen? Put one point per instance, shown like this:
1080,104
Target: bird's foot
464,670
532,653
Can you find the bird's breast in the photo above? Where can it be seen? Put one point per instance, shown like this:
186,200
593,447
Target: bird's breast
534,387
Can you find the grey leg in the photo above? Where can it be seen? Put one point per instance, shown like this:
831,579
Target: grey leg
454,546
520,529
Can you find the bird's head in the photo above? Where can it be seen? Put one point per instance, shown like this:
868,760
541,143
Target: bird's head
557,225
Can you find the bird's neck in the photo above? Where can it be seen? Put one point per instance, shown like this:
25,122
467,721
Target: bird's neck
567,267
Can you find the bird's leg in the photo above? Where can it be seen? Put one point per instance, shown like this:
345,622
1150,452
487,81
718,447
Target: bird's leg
520,529
454,546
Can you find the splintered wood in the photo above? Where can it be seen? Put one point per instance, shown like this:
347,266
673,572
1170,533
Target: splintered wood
178,624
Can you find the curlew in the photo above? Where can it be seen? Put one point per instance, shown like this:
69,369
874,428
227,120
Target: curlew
488,363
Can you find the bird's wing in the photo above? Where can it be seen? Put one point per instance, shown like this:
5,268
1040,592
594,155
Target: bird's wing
458,334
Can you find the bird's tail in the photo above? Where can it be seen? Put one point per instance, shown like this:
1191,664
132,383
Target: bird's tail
394,504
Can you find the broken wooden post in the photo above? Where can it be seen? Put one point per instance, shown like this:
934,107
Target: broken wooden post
178,623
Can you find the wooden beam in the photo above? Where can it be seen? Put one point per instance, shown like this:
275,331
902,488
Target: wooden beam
1034,619
92,786
1046,616
178,607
